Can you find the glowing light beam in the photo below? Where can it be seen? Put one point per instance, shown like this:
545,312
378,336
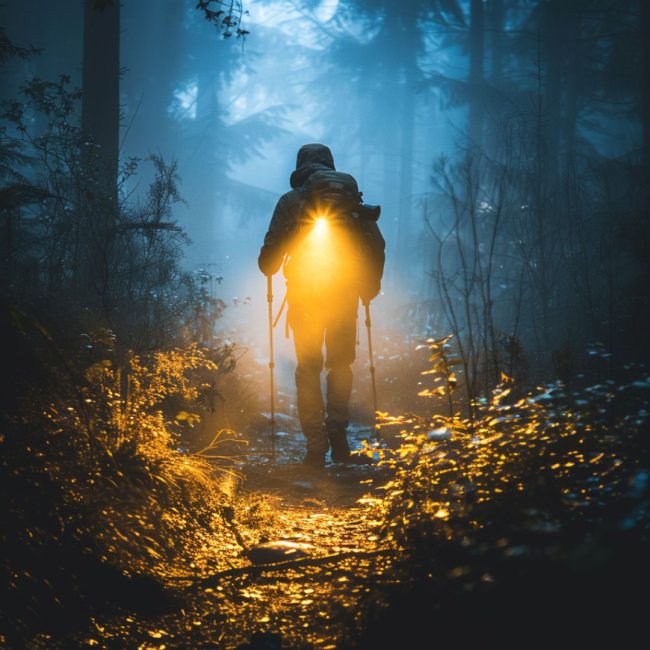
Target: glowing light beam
320,226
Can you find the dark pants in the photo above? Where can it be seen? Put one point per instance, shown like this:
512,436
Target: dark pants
337,328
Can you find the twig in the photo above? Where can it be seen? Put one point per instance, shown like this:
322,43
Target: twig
257,569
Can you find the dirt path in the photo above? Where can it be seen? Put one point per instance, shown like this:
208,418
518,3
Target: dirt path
309,599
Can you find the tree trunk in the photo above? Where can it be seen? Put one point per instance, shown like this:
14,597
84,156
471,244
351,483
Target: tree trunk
496,19
572,70
154,73
100,108
552,52
404,235
389,198
645,80
206,168
402,20
476,66
495,22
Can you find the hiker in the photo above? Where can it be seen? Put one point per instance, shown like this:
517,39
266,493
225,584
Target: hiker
334,255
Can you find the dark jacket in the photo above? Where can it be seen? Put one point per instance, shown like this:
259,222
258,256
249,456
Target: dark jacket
278,239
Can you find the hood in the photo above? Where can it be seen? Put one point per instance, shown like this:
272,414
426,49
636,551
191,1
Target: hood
311,158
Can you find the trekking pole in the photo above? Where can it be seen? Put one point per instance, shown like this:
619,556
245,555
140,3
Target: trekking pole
372,369
269,299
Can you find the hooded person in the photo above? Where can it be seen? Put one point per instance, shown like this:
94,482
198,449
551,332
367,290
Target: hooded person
323,298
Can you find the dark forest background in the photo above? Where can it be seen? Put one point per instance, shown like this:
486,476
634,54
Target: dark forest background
507,142
143,146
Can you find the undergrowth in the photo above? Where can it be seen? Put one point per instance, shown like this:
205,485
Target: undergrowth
97,488
524,511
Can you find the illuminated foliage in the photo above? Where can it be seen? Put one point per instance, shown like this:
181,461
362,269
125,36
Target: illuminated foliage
533,509
448,464
95,478
464,506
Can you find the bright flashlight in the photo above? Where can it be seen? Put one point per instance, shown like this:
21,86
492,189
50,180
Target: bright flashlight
320,226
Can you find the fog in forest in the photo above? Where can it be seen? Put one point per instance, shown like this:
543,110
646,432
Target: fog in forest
528,113
164,486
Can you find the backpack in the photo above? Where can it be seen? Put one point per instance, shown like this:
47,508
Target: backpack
330,191
323,265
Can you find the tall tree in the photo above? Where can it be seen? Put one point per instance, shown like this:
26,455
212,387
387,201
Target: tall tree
153,47
100,110
386,75
644,36
495,20
476,71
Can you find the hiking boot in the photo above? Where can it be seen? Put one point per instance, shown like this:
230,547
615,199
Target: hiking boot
339,443
314,459
341,449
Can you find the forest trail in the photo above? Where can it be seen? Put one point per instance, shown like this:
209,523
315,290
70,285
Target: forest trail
480,528
246,591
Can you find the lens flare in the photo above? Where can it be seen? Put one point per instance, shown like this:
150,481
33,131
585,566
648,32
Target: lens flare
320,226
322,269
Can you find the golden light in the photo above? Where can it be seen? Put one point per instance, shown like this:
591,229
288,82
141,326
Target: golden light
323,261
320,226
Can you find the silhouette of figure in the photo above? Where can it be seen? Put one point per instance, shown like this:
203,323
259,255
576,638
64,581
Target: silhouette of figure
332,257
